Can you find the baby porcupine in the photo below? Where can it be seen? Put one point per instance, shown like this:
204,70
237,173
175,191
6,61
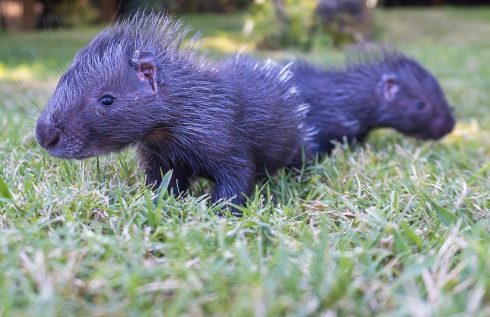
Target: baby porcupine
378,88
136,84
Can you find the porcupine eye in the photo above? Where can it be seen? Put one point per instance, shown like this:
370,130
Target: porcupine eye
420,105
106,100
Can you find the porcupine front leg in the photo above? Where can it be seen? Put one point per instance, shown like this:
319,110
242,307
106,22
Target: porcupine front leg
155,167
235,183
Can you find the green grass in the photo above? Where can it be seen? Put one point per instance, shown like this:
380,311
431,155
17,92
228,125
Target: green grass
397,227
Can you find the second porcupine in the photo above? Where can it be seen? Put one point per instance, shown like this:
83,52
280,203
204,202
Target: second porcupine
379,88
135,84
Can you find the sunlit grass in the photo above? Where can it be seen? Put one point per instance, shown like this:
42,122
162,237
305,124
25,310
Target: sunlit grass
22,72
226,44
397,227
470,131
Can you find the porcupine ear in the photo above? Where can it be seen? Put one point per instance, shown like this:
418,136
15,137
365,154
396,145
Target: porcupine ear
146,68
389,86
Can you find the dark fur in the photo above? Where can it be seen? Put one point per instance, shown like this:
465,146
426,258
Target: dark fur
229,122
350,102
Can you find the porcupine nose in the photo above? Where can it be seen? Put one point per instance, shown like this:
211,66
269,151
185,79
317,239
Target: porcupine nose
47,135
442,126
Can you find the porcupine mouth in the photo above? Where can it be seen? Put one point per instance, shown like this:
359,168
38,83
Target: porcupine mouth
428,136
80,153
68,155
105,147
422,136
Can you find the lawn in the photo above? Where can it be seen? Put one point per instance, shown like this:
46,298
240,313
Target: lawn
397,227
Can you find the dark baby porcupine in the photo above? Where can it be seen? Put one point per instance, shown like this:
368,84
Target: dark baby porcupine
136,84
379,88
